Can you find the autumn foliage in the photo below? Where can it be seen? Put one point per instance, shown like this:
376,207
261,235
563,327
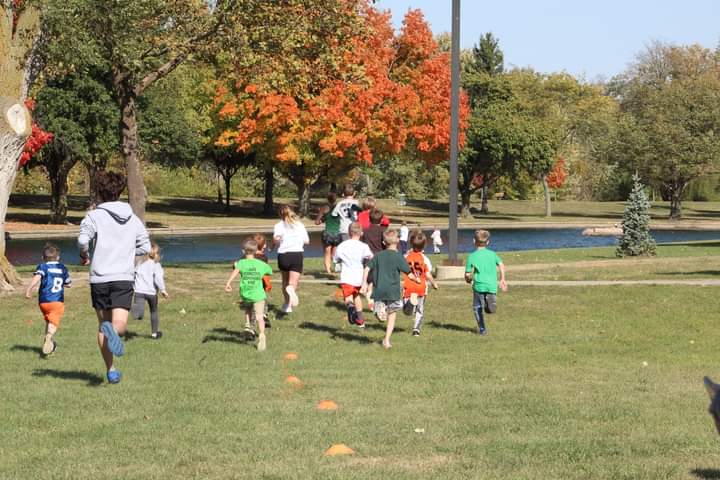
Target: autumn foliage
390,93
557,176
37,139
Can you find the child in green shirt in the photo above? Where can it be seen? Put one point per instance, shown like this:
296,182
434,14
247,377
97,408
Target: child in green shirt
252,291
387,293
481,270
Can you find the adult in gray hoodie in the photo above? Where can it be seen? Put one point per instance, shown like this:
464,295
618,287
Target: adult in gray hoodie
118,236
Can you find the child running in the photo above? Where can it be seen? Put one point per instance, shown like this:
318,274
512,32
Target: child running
415,291
347,210
149,280
481,270
373,236
436,240
386,267
331,237
352,254
53,277
267,282
252,294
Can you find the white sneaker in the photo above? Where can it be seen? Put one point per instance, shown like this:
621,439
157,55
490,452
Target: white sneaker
294,300
286,308
261,343
48,345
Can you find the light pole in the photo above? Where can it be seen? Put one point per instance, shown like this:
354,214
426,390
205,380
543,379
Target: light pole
454,133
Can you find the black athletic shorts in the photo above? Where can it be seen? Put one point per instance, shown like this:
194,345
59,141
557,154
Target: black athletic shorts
290,262
330,240
106,296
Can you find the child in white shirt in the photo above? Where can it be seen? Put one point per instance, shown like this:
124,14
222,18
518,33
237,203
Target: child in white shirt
149,280
352,255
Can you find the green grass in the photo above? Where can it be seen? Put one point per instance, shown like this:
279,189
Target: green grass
180,212
557,390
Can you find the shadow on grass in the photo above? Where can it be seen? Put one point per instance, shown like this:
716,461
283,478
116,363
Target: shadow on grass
699,272
230,336
27,348
453,327
706,473
337,305
336,333
92,379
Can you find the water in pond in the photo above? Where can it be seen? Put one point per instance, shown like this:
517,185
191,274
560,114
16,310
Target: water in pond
225,248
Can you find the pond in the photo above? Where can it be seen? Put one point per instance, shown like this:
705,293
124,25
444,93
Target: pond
225,248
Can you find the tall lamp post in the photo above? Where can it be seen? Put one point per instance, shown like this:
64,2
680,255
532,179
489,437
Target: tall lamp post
454,133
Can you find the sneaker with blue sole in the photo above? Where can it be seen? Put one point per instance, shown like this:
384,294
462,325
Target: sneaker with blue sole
114,376
114,341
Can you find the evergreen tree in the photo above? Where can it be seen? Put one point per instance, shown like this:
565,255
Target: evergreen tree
636,239
487,55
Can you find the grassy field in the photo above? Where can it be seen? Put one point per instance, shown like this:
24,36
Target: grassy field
571,383
27,211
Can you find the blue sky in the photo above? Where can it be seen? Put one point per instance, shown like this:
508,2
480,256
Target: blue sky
583,37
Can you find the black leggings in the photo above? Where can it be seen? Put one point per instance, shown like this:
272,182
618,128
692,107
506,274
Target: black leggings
138,309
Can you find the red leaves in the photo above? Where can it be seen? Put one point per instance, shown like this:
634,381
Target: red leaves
557,176
391,93
37,139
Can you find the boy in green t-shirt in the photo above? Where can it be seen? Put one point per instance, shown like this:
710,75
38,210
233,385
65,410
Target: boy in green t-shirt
252,291
387,293
481,270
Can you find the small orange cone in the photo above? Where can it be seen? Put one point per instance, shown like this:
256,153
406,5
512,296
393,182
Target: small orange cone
339,449
327,405
294,381
291,356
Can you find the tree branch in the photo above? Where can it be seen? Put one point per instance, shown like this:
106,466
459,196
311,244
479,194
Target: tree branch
189,48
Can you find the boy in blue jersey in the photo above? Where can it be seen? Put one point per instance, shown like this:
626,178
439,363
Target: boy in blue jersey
53,277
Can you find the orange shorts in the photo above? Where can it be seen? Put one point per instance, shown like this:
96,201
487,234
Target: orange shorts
349,290
53,312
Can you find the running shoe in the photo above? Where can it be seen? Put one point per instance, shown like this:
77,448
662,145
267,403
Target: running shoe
48,345
156,335
114,376
416,332
294,300
114,341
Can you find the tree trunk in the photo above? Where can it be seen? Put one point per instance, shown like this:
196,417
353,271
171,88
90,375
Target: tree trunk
676,201
93,168
485,207
228,179
130,149
58,197
19,29
303,199
465,195
11,145
546,191
219,188
268,205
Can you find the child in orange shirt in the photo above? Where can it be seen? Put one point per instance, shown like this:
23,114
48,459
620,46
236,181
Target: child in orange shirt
415,291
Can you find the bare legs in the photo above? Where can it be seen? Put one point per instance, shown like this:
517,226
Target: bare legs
118,317
328,256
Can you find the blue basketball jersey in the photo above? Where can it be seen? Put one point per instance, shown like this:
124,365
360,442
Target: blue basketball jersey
55,278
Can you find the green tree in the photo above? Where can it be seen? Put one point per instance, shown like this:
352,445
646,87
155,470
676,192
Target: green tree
672,99
636,239
138,42
81,113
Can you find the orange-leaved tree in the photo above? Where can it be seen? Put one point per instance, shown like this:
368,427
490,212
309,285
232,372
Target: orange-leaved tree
385,94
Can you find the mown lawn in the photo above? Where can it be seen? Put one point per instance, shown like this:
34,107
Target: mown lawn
180,212
571,383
